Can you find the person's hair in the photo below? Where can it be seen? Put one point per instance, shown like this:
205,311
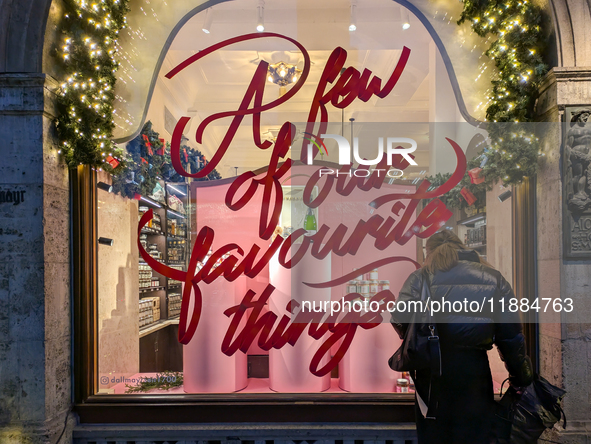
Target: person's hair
442,252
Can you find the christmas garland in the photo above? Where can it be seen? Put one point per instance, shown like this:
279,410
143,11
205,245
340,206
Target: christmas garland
517,53
86,55
148,160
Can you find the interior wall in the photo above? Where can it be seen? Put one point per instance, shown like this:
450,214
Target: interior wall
118,317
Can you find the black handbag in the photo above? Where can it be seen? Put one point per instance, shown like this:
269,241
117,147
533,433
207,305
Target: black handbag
420,348
522,418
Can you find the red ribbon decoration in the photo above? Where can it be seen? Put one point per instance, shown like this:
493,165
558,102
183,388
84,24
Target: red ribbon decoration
186,156
144,160
467,194
474,174
160,151
148,144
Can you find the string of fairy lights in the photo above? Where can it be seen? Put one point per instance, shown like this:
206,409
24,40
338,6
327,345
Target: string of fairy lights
89,49
515,30
87,55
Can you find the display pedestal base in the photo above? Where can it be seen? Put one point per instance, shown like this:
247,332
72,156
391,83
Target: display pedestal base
289,367
364,368
206,369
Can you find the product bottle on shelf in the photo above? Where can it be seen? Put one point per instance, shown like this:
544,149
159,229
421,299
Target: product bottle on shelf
310,222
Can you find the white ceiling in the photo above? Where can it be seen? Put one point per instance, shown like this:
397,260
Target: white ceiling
218,82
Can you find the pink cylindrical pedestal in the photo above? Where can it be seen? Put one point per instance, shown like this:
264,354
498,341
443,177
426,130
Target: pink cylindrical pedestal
289,367
364,368
206,369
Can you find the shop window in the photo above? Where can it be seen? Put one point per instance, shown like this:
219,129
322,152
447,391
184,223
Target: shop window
141,306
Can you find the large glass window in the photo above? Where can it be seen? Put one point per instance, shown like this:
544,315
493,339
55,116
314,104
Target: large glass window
243,331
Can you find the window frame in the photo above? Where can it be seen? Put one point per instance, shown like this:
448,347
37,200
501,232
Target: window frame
240,407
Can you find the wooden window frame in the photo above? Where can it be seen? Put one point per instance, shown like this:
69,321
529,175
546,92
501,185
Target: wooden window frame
221,408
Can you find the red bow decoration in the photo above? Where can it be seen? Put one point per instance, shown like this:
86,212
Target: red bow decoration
474,174
186,156
467,194
137,196
148,144
161,149
144,160
113,162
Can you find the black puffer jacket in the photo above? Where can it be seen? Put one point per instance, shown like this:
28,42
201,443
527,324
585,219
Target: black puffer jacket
471,281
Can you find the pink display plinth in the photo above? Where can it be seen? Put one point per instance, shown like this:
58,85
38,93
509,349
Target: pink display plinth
206,369
289,367
364,368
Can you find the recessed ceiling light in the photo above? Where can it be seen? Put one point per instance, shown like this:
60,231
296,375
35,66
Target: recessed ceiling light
207,22
261,16
353,22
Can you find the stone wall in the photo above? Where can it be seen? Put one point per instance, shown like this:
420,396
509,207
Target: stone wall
35,334
565,348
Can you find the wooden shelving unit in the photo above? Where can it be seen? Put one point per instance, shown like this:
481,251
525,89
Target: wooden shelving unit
159,349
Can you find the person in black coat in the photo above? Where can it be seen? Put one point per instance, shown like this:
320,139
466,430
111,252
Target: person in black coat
465,405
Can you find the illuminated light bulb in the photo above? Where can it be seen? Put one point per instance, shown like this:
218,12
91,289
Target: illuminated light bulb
270,78
261,16
295,79
208,20
282,73
353,17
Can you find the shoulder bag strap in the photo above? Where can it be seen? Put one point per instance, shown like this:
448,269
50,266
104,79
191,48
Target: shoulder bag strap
435,353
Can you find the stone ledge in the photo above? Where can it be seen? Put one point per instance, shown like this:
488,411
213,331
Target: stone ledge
564,87
226,432
27,93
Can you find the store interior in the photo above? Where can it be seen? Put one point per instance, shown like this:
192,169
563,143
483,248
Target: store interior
139,308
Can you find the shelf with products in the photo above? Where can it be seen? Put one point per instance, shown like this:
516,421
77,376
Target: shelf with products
165,238
472,232
147,290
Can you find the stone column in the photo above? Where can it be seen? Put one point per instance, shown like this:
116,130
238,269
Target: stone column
35,333
565,348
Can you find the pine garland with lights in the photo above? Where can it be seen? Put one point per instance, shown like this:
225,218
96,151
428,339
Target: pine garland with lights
148,160
453,198
517,54
89,31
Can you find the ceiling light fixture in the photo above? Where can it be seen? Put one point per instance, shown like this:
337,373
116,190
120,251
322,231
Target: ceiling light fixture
353,22
405,19
261,16
283,74
207,22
